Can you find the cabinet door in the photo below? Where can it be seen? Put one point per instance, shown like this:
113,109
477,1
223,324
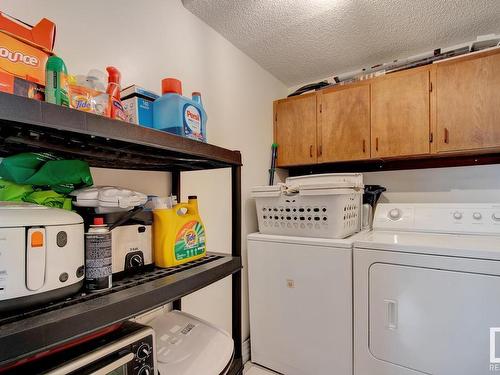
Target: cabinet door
468,104
295,130
344,124
400,114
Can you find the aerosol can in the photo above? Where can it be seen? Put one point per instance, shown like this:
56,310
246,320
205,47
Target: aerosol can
98,256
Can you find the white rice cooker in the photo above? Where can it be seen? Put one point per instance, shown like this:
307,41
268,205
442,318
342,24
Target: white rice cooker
41,254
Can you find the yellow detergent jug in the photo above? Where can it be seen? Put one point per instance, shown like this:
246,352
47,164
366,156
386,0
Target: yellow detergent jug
178,234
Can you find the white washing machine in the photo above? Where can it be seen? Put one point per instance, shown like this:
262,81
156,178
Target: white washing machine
300,292
427,291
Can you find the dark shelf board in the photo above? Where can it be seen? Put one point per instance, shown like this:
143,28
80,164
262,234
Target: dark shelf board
31,125
480,157
23,334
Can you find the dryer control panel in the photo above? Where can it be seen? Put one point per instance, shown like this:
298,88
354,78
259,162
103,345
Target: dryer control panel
467,218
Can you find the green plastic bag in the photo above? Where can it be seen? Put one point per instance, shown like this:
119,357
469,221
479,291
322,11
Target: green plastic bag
43,169
18,168
63,176
10,191
49,198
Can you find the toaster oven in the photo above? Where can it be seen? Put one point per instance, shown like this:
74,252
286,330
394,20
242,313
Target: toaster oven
127,350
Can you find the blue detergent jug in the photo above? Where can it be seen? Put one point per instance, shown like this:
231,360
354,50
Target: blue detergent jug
177,114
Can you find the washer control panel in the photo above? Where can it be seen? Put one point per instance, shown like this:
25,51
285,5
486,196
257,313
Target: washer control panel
469,218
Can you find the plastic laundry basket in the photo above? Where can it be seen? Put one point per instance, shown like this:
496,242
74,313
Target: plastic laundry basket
326,206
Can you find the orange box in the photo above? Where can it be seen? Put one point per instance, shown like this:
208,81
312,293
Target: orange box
24,49
21,87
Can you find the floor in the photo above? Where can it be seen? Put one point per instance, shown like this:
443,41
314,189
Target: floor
253,369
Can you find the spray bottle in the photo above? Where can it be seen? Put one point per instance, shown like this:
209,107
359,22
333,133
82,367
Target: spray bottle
117,111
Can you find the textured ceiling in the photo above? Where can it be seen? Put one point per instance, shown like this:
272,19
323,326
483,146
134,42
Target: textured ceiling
303,40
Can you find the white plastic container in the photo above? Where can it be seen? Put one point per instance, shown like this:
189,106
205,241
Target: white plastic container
107,199
188,345
354,180
325,206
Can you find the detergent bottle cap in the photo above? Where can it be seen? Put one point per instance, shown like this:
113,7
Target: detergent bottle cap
113,75
56,64
171,85
196,96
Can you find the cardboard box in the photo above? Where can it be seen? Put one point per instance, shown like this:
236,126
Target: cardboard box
21,87
139,111
134,90
24,49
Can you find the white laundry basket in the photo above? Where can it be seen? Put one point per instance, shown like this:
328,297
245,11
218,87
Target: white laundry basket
326,206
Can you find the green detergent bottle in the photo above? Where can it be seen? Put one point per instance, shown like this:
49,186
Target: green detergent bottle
56,88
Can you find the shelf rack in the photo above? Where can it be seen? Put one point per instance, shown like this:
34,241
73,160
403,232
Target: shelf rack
30,125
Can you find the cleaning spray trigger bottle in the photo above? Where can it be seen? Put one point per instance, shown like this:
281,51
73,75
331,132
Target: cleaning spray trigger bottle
117,111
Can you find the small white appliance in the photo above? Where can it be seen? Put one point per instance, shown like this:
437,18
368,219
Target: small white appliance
187,345
131,237
41,254
325,206
300,293
105,199
426,286
131,247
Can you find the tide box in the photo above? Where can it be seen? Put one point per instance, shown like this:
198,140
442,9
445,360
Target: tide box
139,111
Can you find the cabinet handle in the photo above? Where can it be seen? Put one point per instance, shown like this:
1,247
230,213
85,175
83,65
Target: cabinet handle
320,150
311,151
364,146
446,135
376,144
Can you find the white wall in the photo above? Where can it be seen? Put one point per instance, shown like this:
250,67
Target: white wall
474,184
151,40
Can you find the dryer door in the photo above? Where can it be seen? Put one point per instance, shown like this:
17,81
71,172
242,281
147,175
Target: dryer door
431,320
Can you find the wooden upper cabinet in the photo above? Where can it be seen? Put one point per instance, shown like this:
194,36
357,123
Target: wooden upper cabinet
400,114
344,124
295,130
468,103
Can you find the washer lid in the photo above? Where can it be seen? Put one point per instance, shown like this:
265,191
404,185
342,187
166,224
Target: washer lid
456,245
345,243
19,214
187,345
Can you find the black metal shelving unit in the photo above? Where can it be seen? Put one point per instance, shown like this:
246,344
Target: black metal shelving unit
30,125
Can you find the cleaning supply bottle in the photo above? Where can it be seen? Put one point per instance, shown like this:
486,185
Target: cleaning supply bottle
56,86
178,234
117,111
177,114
